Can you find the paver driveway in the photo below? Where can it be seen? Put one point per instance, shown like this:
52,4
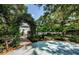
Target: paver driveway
48,48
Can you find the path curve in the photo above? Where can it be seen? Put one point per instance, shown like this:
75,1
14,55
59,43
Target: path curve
48,48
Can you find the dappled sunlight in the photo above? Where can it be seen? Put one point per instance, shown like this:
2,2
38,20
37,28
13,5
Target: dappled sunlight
49,48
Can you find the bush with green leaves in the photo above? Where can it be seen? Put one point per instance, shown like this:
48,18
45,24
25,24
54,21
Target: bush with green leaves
74,38
16,41
35,37
1,47
56,37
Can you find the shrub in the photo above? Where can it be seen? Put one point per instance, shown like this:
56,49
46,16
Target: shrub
74,38
1,47
35,37
15,42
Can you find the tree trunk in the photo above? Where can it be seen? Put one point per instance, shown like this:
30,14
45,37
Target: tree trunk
6,45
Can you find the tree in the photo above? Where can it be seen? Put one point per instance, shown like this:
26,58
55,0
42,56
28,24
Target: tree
8,17
58,15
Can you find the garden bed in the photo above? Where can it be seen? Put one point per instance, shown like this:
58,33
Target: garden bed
71,38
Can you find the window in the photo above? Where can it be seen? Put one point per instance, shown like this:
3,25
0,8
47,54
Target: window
25,26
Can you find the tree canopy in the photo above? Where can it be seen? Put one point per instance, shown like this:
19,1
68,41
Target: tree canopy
10,17
59,17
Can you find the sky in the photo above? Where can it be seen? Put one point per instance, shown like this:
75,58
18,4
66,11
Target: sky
35,11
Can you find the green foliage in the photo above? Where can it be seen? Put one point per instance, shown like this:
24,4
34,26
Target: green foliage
35,37
56,37
15,41
9,27
8,18
11,17
57,16
74,38
1,47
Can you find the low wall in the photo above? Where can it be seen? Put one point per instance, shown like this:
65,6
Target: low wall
41,33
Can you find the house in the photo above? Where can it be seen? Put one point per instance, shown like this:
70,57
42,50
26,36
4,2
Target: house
24,30
27,26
